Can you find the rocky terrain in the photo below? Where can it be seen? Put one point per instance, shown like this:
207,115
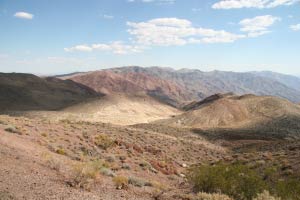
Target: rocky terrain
135,133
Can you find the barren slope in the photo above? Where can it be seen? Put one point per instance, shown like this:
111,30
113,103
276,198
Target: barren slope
250,112
29,92
115,108
42,160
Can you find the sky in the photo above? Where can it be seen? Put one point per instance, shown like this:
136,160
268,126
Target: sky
62,36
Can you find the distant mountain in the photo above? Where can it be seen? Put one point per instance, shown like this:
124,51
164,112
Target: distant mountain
177,87
29,92
288,80
113,81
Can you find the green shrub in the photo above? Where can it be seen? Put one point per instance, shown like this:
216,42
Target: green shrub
289,189
215,196
236,180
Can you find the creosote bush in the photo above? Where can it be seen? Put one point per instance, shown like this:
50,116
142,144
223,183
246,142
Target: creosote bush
241,182
215,196
237,181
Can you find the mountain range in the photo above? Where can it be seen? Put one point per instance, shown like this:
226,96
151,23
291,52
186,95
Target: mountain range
178,87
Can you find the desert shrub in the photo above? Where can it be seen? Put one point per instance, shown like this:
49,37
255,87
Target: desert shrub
107,172
85,174
13,129
235,180
214,196
289,189
60,151
6,196
44,134
121,182
104,141
138,182
51,162
266,196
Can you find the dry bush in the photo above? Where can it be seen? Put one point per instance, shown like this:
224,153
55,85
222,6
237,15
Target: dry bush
6,196
51,162
266,196
61,151
13,129
86,174
104,141
214,196
121,182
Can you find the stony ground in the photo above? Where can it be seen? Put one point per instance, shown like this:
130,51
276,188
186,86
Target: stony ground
39,158
43,159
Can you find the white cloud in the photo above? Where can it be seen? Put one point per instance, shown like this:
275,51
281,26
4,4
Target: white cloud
24,15
117,47
174,31
295,27
234,4
258,26
177,32
83,47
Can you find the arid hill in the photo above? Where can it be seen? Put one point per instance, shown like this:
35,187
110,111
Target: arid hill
115,108
247,113
29,92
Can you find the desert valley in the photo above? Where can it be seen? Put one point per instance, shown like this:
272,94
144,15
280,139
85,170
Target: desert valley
143,133
149,100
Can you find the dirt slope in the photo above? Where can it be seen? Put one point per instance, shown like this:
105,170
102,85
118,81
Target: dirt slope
29,92
115,108
239,112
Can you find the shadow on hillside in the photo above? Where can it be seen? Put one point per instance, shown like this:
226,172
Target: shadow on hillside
286,127
27,92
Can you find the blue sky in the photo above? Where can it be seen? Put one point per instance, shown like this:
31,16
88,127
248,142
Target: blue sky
62,36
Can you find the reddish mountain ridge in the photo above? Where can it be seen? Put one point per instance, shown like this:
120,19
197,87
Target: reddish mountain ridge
109,82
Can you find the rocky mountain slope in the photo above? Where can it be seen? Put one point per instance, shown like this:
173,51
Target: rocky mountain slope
248,113
111,81
288,80
176,87
29,92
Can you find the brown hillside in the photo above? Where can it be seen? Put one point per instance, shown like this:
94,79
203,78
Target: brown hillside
109,81
115,108
242,112
29,92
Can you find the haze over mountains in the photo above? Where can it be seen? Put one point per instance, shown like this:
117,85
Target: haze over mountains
180,86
